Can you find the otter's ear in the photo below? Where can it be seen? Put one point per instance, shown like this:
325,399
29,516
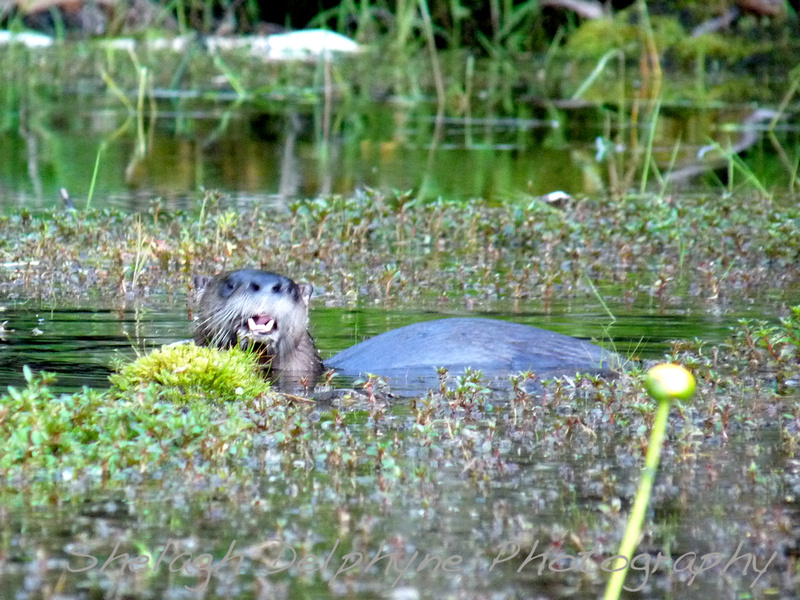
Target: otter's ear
305,292
200,283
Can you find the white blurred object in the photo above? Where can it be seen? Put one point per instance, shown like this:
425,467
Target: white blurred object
295,45
309,43
25,38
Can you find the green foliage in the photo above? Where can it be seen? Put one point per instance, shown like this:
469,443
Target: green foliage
102,434
186,373
594,38
774,348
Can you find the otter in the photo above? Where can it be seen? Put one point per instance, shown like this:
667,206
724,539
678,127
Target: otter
265,312
269,312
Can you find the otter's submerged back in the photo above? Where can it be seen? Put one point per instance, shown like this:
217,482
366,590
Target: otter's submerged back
409,355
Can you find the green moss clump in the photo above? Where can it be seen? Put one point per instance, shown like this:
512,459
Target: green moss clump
595,38
188,373
707,44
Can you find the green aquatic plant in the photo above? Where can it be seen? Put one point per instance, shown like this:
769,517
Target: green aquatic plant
773,348
188,373
708,246
108,434
665,383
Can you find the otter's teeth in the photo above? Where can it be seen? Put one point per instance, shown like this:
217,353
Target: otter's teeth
260,328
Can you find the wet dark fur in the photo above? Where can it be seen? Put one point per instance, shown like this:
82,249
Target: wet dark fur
226,302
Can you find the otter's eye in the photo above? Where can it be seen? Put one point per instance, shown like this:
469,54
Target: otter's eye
227,288
276,289
255,287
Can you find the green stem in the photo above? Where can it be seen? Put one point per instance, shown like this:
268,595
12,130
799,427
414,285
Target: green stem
100,151
636,518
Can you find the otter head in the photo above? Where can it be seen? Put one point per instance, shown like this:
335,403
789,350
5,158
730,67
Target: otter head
251,308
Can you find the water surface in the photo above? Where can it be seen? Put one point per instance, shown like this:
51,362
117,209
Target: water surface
82,345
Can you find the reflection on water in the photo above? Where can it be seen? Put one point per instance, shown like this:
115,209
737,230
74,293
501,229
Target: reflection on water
251,155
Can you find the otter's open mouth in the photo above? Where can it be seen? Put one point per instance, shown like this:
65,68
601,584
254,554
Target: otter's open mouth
262,324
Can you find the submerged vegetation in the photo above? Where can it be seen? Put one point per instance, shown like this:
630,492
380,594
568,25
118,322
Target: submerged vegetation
360,461
646,250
